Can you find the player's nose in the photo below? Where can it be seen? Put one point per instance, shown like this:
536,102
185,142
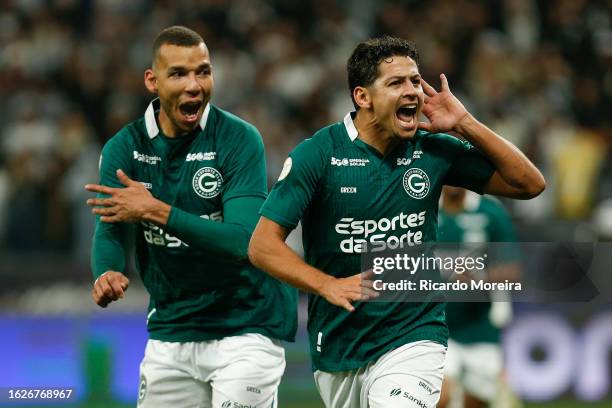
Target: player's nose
192,85
409,90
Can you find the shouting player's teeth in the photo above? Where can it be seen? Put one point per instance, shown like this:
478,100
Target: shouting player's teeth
190,111
407,115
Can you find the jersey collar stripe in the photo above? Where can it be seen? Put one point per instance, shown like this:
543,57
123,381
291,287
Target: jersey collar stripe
151,123
471,201
350,126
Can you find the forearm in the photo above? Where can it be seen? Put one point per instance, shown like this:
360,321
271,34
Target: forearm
222,238
274,256
108,250
511,164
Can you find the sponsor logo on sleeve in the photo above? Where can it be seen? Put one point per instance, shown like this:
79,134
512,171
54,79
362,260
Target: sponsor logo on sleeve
207,182
145,158
286,169
416,183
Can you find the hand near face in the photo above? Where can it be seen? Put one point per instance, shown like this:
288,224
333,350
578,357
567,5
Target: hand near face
129,204
442,108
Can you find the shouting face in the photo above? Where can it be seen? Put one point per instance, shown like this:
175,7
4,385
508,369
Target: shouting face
396,97
182,78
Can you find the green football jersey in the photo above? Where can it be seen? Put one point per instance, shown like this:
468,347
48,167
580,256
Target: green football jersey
347,194
195,294
484,219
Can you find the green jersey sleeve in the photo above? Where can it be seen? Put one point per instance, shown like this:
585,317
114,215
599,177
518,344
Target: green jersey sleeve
229,238
470,168
296,185
110,239
244,169
502,230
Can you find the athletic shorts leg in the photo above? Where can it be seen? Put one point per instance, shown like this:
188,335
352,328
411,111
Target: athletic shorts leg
407,377
483,368
454,360
340,389
248,371
166,379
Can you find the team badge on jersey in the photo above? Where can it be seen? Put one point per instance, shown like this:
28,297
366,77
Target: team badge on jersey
207,182
416,183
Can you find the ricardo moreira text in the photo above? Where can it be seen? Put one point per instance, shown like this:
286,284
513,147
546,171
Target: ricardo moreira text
458,264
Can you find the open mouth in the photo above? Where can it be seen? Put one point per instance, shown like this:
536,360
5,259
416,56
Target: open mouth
406,115
190,110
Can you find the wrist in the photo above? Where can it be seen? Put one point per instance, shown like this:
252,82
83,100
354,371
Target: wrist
157,212
466,124
322,284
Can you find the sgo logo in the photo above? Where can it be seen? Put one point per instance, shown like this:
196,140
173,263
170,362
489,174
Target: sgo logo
416,183
207,182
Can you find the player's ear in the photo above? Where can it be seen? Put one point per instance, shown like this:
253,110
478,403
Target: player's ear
150,80
362,97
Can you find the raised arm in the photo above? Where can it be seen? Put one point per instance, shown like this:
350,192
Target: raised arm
515,176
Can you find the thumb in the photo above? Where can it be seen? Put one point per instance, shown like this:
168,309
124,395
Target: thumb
346,305
425,126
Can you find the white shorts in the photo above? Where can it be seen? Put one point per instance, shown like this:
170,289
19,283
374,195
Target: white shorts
409,376
240,370
476,367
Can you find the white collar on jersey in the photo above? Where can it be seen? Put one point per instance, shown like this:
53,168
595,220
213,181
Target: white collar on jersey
151,123
350,126
471,200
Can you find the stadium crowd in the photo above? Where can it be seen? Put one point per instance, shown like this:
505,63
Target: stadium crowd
71,72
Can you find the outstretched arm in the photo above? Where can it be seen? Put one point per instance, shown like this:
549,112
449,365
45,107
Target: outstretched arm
134,203
515,175
269,252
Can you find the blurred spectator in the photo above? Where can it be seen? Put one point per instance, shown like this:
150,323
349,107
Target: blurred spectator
540,72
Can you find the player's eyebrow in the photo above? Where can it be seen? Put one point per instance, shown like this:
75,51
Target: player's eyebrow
182,68
395,78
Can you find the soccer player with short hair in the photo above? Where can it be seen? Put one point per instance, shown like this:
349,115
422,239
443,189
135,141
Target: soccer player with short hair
474,358
372,181
188,179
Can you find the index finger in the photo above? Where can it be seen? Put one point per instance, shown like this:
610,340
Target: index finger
97,188
429,90
444,82
368,274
